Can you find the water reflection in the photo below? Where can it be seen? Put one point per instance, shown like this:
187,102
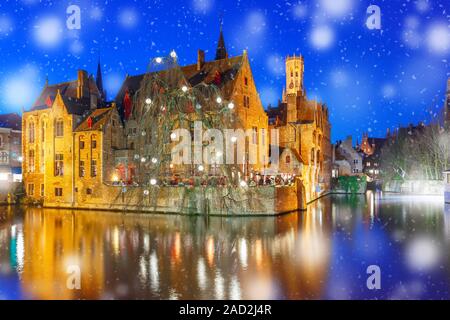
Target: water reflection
319,254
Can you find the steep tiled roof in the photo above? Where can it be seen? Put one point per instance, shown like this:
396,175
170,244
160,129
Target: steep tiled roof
228,69
11,121
68,91
99,118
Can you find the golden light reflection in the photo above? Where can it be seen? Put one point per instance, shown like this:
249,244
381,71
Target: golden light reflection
210,250
176,248
127,256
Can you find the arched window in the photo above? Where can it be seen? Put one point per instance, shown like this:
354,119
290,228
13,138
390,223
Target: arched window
30,160
288,159
31,133
59,128
43,127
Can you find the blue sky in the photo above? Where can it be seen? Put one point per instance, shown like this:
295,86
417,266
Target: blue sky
370,79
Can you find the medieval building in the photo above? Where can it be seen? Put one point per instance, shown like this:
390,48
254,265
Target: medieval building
67,138
370,149
304,130
80,151
76,145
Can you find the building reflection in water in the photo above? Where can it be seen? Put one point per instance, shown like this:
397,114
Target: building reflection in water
133,256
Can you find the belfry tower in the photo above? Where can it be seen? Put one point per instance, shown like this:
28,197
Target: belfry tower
294,75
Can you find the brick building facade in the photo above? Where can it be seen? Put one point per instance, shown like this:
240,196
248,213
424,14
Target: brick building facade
79,150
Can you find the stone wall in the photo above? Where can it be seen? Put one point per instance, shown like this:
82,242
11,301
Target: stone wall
262,200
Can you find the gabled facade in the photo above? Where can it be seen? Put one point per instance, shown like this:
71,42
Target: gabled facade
233,77
48,138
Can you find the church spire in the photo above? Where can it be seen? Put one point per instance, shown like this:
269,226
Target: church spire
221,52
99,81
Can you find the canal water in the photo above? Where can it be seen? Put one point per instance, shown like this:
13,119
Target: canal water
323,253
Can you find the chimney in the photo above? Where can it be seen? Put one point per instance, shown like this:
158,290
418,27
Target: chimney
82,84
200,59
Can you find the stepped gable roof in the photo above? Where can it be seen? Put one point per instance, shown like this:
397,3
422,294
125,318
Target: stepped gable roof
99,118
11,121
226,68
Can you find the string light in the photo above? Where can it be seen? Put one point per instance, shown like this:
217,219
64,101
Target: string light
173,136
146,192
184,89
243,184
158,60
173,54
154,160
201,168
153,181
233,139
231,106
143,159
219,100
148,101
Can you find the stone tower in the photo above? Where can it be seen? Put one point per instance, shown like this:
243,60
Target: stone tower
294,75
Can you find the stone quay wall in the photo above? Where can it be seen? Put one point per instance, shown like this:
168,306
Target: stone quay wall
261,200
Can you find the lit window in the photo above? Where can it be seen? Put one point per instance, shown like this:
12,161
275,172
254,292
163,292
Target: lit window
81,142
94,142
58,192
59,165
93,168
82,169
31,132
59,128
31,161
31,189
4,157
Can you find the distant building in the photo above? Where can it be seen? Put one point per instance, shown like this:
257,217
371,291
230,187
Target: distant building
347,161
370,149
10,148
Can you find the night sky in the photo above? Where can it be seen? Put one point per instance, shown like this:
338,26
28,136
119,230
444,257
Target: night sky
370,79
